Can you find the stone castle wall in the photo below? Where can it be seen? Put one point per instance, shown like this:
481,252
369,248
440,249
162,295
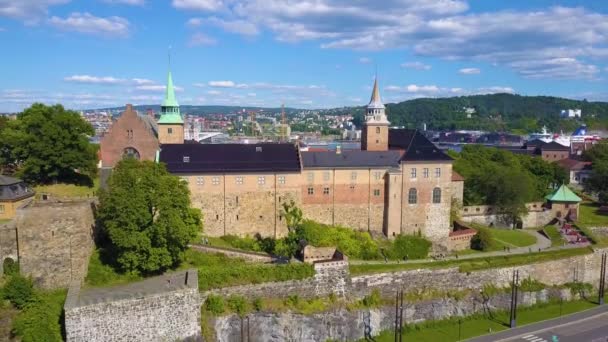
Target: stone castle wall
165,308
52,241
487,215
346,325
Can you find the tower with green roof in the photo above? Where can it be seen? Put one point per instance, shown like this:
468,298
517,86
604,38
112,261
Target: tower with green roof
170,124
564,203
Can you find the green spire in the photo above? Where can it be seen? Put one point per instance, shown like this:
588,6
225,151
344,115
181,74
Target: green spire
563,194
169,110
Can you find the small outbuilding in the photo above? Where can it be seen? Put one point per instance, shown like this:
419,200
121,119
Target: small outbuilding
563,202
14,193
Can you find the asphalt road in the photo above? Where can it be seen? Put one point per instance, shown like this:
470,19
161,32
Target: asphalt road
586,326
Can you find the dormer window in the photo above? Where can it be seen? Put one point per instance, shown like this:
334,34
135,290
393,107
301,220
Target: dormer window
186,159
258,148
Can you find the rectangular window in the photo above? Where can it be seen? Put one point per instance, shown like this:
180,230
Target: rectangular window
353,175
438,172
281,179
186,159
325,191
377,175
170,130
200,181
215,180
238,180
352,186
310,176
426,172
413,173
326,176
261,180
311,190
376,192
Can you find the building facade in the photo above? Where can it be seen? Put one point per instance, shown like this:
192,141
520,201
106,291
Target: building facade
398,183
14,193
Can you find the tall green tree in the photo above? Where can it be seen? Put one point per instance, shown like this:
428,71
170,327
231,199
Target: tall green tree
597,182
47,144
146,216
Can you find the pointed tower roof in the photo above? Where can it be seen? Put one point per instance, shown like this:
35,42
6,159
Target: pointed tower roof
375,101
170,100
563,194
169,112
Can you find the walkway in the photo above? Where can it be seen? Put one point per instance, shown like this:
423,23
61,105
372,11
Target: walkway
542,244
589,325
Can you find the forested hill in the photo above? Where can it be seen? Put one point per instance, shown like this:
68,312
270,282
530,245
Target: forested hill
496,112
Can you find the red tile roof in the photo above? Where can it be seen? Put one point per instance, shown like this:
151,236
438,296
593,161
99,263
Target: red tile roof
457,177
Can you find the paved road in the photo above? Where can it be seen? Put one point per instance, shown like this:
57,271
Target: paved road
586,326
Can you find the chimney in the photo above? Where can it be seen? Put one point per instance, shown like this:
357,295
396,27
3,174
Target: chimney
338,149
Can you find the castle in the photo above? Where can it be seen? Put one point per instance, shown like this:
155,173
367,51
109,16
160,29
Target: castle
398,183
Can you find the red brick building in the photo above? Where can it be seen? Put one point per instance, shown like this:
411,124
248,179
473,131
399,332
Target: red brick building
130,135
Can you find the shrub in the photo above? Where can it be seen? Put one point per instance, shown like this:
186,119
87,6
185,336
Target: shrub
215,304
293,301
19,291
372,300
238,304
10,267
246,243
257,304
482,241
531,285
41,320
414,247
579,288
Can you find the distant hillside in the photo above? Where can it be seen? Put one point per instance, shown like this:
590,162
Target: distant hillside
203,110
495,112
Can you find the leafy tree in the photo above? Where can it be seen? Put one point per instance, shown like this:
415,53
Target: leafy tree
292,214
48,144
482,241
146,216
598,180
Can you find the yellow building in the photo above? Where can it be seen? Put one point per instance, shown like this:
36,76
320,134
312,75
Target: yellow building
14,193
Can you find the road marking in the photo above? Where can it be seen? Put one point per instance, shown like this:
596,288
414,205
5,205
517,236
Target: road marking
528,336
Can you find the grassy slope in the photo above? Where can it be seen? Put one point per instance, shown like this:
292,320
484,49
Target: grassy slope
447,330
472,264
214,271
68,190
589,216
554,235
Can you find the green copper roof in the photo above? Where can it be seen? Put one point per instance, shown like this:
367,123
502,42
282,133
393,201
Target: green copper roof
563,194
169,113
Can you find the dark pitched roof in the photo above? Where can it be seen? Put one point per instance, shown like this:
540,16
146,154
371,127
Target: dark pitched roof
219,158
535,143
351,158
553,146
13,189
417,147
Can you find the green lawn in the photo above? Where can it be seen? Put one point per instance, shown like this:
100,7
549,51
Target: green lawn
512,238
214,271
448,330
589,216
68,190
554,235
468,265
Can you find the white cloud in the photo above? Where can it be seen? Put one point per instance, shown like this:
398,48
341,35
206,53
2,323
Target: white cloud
156,88
126,2
90,24
194,22
95,79
29,10
437,28
416,66
225,84
198,5
416,91
214,92
365,60
251,94
199,39
469,71
142,81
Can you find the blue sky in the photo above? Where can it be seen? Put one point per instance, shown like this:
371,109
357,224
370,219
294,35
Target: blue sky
307,53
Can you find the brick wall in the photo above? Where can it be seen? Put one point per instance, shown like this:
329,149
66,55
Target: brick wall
128,131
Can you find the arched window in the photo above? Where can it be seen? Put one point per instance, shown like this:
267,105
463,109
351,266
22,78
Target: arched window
378,130
412,196
130,152
436,195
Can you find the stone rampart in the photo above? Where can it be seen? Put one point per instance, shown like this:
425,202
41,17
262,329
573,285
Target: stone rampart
8,243
165,308
345,325
55,241
487,215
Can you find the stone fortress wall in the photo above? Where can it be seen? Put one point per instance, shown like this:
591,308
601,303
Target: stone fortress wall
537,216
165,308
52,241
